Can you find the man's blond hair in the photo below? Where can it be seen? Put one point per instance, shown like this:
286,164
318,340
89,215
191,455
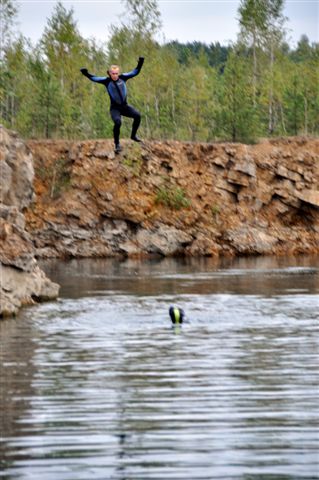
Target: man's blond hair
114,67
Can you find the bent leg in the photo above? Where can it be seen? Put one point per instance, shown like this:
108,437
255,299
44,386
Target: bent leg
131,112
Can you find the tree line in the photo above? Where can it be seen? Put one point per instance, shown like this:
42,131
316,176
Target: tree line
254,88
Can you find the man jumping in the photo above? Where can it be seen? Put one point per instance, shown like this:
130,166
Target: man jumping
115,84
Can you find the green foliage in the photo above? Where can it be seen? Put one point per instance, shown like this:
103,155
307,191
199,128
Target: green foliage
215,53
8,14
238,116
262,32
47,101
189,91
304,50
62,47
172,197
144,15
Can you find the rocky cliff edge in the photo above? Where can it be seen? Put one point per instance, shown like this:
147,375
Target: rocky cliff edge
22,282
175,198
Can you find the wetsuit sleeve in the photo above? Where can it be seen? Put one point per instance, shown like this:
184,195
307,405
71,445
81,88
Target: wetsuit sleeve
94,78
136,71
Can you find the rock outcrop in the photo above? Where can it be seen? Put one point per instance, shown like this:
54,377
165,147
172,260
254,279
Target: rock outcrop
21,280
175,198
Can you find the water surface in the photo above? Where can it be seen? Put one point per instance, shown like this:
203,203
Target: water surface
98,385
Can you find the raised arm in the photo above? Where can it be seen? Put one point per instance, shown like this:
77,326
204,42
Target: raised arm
136,70
94,78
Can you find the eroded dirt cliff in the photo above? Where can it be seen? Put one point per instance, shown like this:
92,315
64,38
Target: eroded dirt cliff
174,198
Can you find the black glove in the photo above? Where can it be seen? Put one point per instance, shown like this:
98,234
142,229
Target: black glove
140,62
84,71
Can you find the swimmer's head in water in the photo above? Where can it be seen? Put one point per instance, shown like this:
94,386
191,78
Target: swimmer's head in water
177,315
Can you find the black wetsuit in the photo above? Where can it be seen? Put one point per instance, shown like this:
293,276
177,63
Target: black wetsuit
118,96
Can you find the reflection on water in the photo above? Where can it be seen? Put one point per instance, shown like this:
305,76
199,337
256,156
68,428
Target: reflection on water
264,276
99,386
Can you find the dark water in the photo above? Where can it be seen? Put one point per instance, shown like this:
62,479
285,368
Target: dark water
99,386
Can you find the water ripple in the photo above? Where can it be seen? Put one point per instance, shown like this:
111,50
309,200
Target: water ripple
100,386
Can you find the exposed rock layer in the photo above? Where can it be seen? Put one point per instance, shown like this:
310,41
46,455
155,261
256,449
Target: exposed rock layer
21,280
173,198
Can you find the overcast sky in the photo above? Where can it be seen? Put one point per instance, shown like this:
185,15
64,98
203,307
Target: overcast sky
184,20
